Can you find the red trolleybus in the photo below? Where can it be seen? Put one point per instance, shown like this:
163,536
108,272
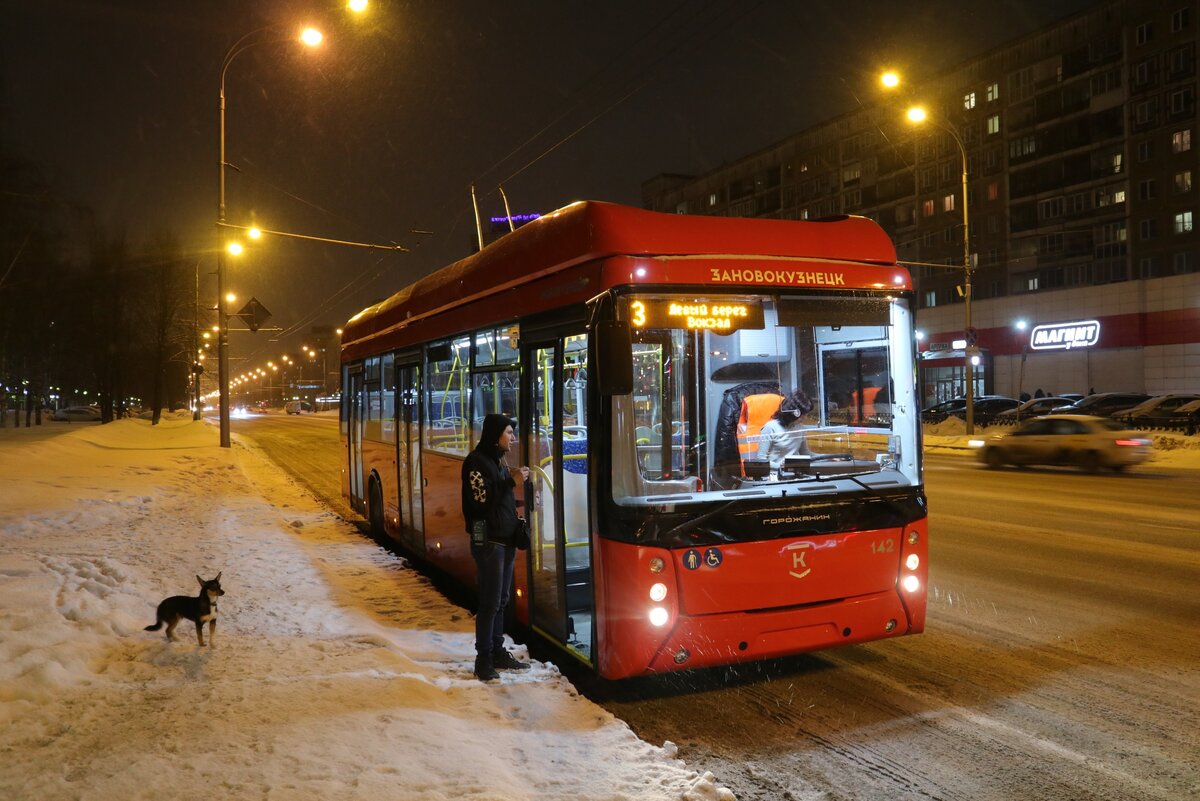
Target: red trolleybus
640,354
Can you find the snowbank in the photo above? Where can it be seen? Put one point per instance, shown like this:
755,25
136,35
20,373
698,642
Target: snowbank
337,672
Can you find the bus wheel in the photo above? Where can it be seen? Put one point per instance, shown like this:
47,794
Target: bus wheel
375,508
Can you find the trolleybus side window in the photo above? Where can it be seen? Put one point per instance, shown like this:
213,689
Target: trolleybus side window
447,397
494,390
372,429
387,406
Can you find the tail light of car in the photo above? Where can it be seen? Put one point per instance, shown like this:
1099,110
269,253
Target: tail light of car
1132,443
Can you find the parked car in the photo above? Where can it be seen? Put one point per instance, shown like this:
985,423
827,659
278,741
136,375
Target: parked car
1103,404
987,409
296,407
1066,439
1035,407
1186,417
955,406
1152,413
77,414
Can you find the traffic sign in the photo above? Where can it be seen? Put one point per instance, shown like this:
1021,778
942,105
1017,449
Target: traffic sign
254,314
972,336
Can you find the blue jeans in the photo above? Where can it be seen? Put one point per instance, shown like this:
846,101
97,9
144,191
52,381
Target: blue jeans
494,578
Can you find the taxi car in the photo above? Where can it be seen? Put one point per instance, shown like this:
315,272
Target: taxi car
1066,439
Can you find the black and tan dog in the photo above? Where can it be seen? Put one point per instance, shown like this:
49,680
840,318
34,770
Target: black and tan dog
200,609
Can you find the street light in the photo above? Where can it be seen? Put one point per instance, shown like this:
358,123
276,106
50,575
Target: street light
310,37
917,116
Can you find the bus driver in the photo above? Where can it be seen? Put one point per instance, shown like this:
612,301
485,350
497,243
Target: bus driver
781,435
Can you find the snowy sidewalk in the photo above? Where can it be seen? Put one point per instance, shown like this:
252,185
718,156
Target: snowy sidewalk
337,673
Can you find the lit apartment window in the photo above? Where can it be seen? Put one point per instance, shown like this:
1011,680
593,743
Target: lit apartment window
930,299
1183,222
993,190
1146,189
1181,141
948,203
993,124
1144,33
969,100
993,92
927,208
804,214
1180,20
1031,283
1183,182
712,199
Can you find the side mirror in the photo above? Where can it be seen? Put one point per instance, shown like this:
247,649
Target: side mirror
614,357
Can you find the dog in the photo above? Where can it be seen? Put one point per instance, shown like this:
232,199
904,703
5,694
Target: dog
199,610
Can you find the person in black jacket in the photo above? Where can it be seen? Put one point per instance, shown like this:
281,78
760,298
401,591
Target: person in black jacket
490,512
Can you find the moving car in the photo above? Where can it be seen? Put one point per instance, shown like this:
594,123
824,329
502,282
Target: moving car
1103,404
1154,412
296,407
1066,439
76,414
1035,407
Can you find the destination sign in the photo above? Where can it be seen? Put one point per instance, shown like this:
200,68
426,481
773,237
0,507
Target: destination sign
720,316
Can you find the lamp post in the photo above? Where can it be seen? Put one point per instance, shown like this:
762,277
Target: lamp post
310,37
917,115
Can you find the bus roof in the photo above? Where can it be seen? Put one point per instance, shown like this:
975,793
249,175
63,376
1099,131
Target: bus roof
590,230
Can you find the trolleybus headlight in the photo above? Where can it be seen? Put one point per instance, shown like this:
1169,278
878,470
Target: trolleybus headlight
658,616
911,583
912,562
657,565
913,536
658,592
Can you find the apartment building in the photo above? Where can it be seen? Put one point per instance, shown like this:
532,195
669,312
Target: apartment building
1078,144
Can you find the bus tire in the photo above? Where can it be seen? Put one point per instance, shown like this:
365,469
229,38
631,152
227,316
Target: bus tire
375,508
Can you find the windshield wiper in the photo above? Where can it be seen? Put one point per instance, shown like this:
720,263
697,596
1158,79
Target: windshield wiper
696,521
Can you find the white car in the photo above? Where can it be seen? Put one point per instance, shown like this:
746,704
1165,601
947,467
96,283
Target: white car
76,413
1068,439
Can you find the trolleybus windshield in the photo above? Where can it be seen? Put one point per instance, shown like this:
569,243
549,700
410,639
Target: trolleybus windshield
711,373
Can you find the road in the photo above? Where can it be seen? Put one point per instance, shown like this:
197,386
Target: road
1061,659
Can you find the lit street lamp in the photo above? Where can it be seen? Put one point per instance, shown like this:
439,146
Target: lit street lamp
917,115
309,37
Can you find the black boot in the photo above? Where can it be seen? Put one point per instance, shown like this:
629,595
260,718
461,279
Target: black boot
503,660
484,670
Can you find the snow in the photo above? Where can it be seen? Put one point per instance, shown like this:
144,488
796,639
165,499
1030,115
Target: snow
337,672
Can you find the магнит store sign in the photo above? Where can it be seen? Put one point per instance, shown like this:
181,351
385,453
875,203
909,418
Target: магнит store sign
1064,336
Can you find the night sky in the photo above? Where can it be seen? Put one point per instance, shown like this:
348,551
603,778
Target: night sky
381,130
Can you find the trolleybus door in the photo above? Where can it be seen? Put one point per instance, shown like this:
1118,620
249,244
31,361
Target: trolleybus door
408,456
354,424
556,445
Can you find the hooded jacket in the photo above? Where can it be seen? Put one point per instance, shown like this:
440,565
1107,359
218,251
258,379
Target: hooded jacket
487,486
